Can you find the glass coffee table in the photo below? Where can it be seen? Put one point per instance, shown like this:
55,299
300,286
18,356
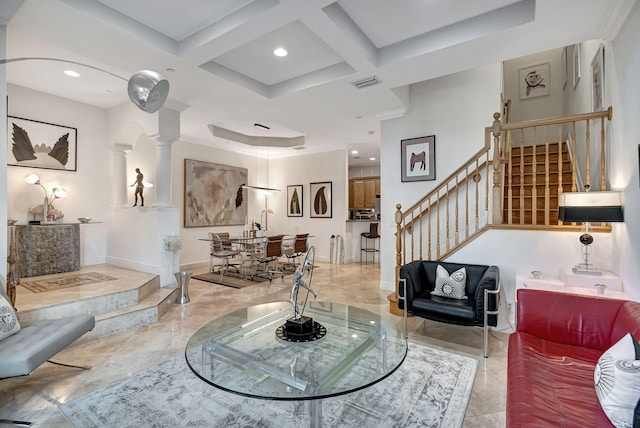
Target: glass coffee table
241,353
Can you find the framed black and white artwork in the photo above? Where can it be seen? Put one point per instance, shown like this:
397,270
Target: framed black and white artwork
418,159
534,81
294,200
321,202
37,144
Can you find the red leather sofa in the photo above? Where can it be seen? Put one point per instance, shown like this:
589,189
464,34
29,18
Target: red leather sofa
553,353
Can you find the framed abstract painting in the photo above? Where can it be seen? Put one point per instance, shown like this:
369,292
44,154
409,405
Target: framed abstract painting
36,144
213,194
294,200
321,203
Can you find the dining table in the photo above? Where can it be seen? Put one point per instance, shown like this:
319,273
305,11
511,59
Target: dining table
248,243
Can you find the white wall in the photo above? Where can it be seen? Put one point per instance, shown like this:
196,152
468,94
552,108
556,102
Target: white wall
454,108
88,189
578,100
329,166
538,107
622,90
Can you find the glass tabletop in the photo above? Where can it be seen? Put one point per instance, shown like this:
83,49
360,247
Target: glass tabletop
241,353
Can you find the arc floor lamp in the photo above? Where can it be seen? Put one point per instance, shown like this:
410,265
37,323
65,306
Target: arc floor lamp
147,89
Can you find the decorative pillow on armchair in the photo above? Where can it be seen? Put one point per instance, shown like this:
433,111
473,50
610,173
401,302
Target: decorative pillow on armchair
8,319
617,381
452,286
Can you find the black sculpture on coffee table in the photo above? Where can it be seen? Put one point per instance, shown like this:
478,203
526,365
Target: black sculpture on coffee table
300,328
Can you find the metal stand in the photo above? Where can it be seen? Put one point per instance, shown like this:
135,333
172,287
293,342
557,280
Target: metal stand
183,286
405,314
488,312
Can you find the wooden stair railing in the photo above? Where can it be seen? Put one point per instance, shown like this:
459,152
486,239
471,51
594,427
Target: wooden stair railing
534,182
532,164
544,158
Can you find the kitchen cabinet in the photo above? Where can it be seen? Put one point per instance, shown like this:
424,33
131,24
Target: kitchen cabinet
363,192
350,194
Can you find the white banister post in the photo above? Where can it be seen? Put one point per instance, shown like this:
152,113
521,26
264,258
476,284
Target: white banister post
120,173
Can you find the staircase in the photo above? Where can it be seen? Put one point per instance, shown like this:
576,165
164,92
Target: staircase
514,181
535,176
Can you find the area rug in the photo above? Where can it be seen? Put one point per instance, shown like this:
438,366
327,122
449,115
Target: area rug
233,279
52,284
430,389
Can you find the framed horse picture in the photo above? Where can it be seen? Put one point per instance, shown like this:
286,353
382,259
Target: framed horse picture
419,159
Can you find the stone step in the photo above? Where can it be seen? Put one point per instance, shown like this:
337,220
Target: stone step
129,318
117,311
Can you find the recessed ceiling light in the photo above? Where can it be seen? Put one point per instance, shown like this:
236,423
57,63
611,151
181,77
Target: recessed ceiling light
372,158
280,52
354,152
71,73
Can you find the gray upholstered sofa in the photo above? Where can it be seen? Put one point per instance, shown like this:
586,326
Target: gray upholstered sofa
37,341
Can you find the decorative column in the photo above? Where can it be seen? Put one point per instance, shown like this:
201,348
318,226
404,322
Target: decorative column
163,173
120,173
169,131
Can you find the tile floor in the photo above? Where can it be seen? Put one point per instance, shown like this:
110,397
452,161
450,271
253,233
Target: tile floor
35,397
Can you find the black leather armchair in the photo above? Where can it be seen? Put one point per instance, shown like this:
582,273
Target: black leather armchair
482,290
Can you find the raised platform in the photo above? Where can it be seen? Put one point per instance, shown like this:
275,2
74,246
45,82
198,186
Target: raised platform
132,300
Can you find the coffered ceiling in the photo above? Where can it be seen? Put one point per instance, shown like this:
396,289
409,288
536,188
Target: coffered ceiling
218,57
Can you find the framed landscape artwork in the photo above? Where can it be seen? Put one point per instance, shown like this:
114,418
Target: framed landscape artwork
418,159
321,204
213,194
36,144
294,200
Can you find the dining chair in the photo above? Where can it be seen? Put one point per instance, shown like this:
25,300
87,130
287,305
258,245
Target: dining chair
296,248
221,248
271,252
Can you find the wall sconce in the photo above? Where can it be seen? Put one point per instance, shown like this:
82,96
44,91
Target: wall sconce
586,207
35,180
